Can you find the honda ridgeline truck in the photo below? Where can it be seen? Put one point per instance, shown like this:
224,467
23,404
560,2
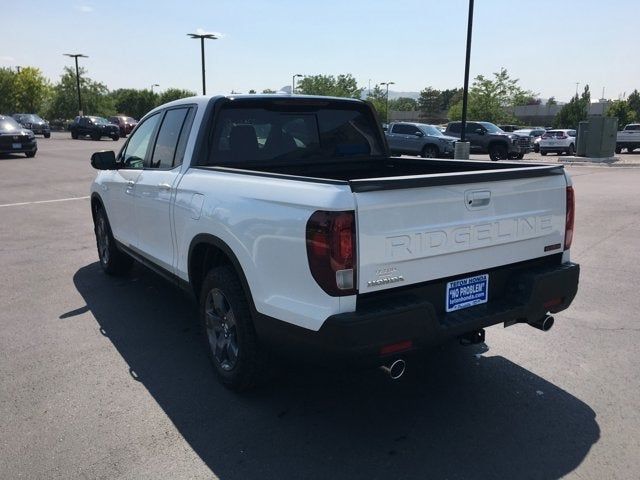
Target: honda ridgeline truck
298,234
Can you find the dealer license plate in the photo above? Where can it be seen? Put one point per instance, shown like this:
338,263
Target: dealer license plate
467,292
16,145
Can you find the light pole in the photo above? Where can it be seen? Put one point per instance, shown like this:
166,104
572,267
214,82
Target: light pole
154,85
293,82
75,56
202,37
387,99
465,92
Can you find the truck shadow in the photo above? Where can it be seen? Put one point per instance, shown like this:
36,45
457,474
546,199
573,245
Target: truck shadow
458,415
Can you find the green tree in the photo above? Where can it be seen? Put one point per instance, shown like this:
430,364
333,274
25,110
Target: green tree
489,99
133,102
403,104
64,101
430,102
552,101
622,111
575,111
329,85
7,90
633,100
171,94
448,97
378,98
31,90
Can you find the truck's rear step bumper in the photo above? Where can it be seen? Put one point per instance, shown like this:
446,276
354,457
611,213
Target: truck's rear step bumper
516,293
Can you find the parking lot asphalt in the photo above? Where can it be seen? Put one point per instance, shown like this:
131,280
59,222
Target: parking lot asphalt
106,378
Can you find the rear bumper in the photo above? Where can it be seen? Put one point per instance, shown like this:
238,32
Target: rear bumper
517,293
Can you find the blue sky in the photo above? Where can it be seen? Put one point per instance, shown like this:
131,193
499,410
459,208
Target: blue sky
548,44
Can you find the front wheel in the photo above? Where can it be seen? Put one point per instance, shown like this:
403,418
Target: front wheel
498,152
630,149
543,153
516,156
47,135
232,343
112,260
572,150
115,138
74,135
430,151
31,154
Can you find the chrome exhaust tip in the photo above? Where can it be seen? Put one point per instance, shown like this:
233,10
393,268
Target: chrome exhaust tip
396,369
544,324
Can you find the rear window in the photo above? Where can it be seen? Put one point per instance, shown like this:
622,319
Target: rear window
291,131
455,127
554,134
632,127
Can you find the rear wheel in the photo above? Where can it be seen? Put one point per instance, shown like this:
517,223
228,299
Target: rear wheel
430,151
618,149
74,135
47,135
115,137
543,153
572,150
232,343
630,149
112,260
498,151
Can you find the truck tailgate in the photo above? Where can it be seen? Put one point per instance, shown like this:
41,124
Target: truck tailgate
443,229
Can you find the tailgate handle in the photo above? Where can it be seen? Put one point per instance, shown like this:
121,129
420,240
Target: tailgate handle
477,198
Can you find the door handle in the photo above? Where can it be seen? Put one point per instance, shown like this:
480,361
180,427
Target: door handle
164,186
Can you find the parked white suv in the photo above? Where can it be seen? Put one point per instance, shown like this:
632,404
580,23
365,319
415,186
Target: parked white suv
558,141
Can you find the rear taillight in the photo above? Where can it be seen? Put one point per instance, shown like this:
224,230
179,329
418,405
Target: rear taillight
331,250
571,213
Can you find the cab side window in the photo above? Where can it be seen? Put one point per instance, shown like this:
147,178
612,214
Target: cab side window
164,152
135,151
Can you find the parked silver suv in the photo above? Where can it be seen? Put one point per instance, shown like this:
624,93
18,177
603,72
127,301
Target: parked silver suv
419,139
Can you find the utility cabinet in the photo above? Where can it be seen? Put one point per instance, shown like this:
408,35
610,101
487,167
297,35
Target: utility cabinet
597,137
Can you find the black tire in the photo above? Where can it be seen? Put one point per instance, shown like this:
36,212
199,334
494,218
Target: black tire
630,149
230,338
31,154
47,135
618,149
572,150
430,151
115,137
536,148
74,135
498,151
95,136
112,260
543,153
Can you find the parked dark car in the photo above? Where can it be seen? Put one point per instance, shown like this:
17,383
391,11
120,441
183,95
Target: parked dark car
509,128
126,124
534,134
16,139
95,127
486,137
34,123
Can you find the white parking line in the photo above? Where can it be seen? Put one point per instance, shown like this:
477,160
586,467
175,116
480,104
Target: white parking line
44,201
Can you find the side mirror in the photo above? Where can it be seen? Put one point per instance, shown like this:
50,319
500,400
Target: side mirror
104,160
419,134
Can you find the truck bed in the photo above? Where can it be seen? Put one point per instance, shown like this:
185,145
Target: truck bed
398,172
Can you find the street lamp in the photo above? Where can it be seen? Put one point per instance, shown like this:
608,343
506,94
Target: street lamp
387,98
465,92
202,37
76,56
154,85
293,82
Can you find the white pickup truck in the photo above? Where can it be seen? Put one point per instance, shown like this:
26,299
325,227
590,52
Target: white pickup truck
300,235
628,138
